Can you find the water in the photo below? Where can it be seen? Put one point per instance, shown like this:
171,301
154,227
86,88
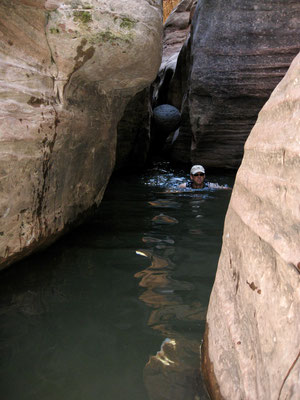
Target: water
116,309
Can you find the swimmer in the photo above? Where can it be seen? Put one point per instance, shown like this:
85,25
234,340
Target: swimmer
197,175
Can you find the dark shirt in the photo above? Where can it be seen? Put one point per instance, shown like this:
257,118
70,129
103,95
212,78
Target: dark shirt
189,185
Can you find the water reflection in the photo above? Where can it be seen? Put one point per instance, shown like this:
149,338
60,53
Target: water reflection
173,372
149,239
160,286
77,325
164,203
164,219
181,247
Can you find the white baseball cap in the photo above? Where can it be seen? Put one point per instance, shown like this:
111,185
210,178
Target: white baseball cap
197,168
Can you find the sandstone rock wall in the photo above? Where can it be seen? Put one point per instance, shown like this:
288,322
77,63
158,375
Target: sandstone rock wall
67,69
252,346
168,6
170,89
240,50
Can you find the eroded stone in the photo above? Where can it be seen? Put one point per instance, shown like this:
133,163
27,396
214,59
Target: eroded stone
239,51
68,69
253,316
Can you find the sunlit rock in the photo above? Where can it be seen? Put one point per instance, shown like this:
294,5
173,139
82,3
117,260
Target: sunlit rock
168,6
238,53
67,70
176,30
169,88
251,349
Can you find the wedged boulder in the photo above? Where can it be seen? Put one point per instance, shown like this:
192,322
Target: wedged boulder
68,69
252,343
166,118
240,50
164,123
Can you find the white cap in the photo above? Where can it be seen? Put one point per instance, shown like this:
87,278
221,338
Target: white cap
197,168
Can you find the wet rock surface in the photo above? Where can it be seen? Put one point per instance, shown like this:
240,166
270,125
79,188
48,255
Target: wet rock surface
240,50
68,70
253,317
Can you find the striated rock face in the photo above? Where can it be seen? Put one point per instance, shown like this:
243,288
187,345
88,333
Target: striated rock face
67,70
176,30
169,89
240,50
251,350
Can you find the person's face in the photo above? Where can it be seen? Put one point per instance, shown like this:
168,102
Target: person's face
198,178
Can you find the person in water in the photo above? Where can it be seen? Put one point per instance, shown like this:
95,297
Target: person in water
197,175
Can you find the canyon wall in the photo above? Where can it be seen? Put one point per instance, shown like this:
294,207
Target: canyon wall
239,50
168,6
168,88
67,69
252,344
133,139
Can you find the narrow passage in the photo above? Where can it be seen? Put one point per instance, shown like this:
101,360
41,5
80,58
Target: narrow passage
116,309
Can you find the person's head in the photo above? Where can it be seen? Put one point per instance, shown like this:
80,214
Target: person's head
197,175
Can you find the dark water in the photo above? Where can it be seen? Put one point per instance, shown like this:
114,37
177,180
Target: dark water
116,309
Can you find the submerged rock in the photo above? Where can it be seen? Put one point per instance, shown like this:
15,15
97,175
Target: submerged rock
251,348
68,70
239,51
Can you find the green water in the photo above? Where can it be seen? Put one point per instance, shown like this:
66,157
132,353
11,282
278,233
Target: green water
116,309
